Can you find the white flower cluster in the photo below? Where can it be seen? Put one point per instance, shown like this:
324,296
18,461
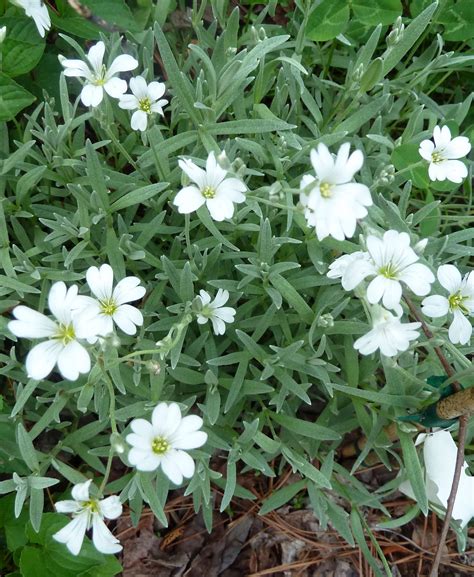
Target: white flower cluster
146,99
161,443
333,202
390,262
78,320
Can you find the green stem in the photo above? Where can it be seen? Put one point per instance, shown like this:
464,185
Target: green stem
271,203
107,471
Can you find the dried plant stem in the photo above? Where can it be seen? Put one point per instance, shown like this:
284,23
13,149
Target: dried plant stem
463,420
429,335
452,496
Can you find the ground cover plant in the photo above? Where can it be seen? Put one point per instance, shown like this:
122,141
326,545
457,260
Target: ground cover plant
236,244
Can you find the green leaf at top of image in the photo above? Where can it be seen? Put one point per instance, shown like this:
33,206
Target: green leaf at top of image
22,48
114,12
380,12
48,558
406,155
457,17
327,20
13,98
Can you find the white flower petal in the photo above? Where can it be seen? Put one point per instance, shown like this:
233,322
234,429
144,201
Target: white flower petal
156,90
42,358
104,541
460,330
123,63
171,469
31,324
435,306
143,428
96,57
194,173
139,87
100,281
139,120
67,506
185,464
127,318
220,208
188,199
80,491
191,440
73,360
115,87
72,535
128,290
449,277
92,95
128,102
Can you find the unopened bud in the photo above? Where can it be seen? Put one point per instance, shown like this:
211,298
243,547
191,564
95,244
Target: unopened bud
154,367
325,321
420,246
3,33
117,443
223,161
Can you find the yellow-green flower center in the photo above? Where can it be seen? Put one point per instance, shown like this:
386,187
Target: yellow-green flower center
92,504
65,334
456,302
326,189
145,105
99,79
388,271
208,192
108,307
437,157
160,446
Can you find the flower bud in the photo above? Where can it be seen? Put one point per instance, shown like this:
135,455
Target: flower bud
325,321
3,33
117,443
420,246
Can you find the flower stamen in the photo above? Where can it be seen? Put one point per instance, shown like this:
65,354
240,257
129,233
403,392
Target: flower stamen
208,192
388,271
160,445
456,302
108,307
325,189
437,157
65,334
145,105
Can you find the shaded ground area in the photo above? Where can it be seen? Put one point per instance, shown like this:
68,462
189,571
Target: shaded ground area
286,542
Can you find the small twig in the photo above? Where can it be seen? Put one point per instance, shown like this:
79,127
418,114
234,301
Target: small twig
429,335
452,495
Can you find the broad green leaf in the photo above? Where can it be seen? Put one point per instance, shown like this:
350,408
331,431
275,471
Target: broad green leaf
13,98
22,48
327,20
379,12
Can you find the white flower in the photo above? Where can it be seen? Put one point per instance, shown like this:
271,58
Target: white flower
110,306
439,452
37,10
98,77
460,302
443,154
334,203
219,314
213,189
388,334
145,100
62,346
337,269
88,512
163,442
392,261
3,33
